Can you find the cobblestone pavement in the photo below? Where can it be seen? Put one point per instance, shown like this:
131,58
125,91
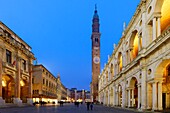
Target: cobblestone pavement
69,108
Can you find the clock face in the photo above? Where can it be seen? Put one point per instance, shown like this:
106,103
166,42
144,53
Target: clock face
96,60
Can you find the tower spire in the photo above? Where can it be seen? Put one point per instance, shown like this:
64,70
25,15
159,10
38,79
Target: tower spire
95,7
95,26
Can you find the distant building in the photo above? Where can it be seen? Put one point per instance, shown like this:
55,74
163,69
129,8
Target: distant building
63,92
16,60
44,85
68,95
80,95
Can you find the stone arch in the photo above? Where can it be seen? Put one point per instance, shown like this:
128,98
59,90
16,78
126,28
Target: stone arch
134,94
163,7
161,74
160,67
8,88
24,90
119,91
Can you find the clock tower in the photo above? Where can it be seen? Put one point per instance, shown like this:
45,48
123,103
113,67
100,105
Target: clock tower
95,37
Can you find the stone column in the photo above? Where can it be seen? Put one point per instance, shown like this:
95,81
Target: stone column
131,54
17,99
139,42
143,89
124,97
104,100
129,98
139,96
160,96
2,102
149,96
154,101
114,96
29,99
108,102
158,26
133,97
154,29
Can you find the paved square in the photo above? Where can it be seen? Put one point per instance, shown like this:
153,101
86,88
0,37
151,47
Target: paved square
68,108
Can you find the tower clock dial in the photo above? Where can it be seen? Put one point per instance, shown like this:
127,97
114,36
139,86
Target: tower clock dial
96,60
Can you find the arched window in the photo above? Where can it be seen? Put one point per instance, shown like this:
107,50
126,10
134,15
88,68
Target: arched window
96,40
134,44
112,70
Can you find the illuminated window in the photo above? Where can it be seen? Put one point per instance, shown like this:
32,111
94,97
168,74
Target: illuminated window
8,56
112,70
96,40
135,46
120,63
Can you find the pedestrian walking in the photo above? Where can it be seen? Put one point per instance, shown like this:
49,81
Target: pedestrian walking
91,105
88,105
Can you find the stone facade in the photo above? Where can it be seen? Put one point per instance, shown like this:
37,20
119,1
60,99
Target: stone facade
44,85
137,73
16,60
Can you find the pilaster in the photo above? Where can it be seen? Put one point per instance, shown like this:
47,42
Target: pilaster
160,96
143,88
139,96
133,97
154,96
129,98
154,29
17,79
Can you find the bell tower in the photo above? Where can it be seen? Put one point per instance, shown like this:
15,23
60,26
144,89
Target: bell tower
95,37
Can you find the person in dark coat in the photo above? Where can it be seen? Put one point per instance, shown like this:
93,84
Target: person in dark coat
91,105
88,105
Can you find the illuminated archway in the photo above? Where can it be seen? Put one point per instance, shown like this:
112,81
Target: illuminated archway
162,70
120,62
135,46
165,19
133,84
24,90
8,88
134,43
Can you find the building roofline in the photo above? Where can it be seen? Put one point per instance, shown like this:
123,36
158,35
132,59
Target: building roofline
15,34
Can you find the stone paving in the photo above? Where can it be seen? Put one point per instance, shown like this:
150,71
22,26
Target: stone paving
69,108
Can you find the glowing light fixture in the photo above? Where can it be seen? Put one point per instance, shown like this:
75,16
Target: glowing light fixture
3,83
22,83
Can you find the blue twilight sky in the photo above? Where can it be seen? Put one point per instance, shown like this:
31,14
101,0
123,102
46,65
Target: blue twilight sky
59,32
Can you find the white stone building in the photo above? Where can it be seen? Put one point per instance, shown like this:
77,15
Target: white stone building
137,73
